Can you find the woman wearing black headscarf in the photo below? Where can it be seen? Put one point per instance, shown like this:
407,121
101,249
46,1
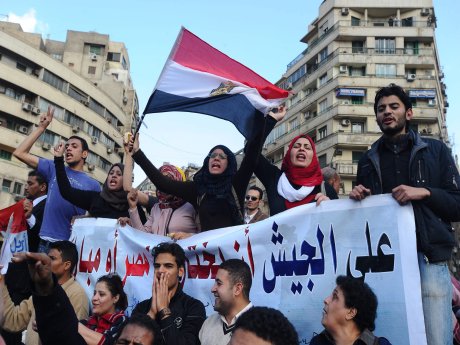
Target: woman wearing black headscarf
218,188
111,202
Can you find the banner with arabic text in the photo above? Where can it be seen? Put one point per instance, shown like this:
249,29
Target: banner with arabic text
294,258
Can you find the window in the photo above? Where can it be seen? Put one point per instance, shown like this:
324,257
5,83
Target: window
6,185
49,138
17,189
293,124
21,66
323,105
357,127
5,155
298,73
357,47
322,160
324,28
93,131
385,45
77,94
407,21
385,70
357,71
54,80
323,79
124,63
96,49
279,130
356,156
322,132
56,56
323,54
411,48
357,100
91,70
355,21
113,57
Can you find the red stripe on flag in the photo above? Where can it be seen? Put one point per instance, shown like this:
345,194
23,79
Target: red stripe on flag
192,52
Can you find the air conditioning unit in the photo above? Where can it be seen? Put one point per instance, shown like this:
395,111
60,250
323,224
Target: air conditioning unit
36,72
345,122
425,12
75,129
91,167
36,111
93,56
109,150
94,140
27,106
84,101
46,146
289,86
23,129
429,130
344,11
109,120
432,102
411,77
343,69
307,115
346,102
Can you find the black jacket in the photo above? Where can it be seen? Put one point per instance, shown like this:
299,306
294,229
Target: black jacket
431,166
184,324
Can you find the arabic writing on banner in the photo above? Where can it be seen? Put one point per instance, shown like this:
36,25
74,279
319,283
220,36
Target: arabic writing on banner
294,258
14,232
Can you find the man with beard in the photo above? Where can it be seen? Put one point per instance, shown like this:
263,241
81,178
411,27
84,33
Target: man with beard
179,316
420,171
231,291
58,212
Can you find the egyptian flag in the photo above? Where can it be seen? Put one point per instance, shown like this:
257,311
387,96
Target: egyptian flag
200,79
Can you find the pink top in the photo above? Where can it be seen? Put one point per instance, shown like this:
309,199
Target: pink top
181,219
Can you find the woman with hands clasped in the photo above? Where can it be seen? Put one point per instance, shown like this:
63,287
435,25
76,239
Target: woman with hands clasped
170,216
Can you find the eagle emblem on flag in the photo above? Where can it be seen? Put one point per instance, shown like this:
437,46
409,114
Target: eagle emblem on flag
223,89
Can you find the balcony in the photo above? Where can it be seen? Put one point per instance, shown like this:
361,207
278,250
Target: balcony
349,168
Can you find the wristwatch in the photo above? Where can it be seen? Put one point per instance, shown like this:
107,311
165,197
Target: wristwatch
165,312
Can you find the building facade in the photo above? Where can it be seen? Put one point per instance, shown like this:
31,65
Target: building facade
354,47
86,79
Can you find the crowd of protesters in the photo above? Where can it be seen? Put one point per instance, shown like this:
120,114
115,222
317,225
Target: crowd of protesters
50,303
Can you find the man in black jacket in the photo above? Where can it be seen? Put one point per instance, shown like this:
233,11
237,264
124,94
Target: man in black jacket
180,316
420,171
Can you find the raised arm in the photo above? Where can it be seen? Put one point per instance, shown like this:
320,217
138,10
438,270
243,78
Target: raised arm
184,190
78,197
22,152
142,198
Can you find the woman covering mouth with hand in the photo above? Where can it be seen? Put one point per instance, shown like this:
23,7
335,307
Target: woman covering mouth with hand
111,202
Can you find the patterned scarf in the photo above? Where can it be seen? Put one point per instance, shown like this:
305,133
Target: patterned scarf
168,200
115,198
310,176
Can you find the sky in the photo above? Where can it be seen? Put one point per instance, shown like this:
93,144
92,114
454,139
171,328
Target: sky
264,38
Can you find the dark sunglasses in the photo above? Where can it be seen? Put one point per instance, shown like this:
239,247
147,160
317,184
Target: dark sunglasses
252,197
220,155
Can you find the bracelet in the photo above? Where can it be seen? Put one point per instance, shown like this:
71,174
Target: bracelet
164,313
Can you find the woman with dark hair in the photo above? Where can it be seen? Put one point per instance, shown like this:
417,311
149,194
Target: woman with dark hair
108,303
218,189
349,315
298,182
111,202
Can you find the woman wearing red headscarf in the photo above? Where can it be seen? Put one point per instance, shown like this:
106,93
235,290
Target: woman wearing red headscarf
299,181
171,215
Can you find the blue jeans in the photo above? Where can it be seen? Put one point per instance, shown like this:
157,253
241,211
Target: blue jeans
437,301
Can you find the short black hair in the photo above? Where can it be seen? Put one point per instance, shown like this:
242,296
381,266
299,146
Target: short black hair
39,176
172,248
393,90
269,324
261,192
146,322
239,272
68,252
360,296
84,143
115,286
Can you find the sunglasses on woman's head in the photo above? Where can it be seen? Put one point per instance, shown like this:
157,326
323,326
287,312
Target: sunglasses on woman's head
252,197
220,155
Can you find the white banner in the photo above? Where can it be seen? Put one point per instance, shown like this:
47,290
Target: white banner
294,258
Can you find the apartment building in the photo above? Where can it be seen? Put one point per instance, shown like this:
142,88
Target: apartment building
86,79
354,47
